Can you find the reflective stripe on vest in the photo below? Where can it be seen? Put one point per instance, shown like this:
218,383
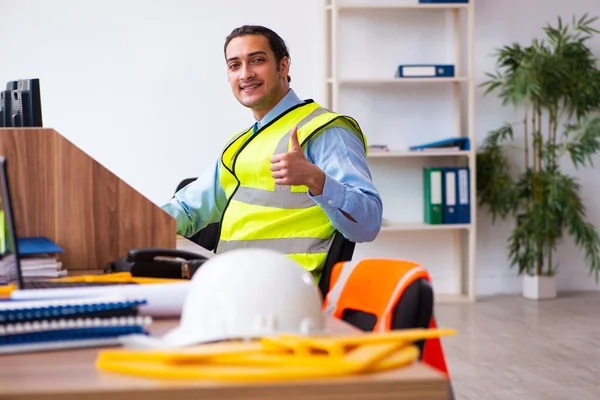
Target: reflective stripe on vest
283,245
353,281
264,215
282,196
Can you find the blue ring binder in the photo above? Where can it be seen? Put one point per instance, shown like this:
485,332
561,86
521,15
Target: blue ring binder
71,334
68,323
9,315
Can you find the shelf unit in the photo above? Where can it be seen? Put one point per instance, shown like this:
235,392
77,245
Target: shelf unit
415,226
394,81
406,153
387,6
459,19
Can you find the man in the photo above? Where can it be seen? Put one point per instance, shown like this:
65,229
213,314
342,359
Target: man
292,179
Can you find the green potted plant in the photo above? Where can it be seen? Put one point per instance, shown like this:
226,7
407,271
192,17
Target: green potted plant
554,84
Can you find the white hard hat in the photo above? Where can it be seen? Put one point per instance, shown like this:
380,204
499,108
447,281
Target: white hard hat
245,294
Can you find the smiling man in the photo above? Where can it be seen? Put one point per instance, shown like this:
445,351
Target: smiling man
292,179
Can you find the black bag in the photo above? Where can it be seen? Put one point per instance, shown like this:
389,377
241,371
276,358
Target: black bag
157,263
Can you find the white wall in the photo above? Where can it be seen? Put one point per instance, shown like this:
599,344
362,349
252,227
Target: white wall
141,86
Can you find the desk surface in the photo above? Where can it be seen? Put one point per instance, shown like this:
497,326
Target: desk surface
187,245
72,374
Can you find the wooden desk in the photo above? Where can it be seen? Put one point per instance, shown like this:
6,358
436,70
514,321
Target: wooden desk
187,245
72,375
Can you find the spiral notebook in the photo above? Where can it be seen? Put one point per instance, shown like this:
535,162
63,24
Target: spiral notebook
68,323
31,310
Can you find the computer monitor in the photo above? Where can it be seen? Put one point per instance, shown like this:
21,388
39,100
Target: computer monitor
10,268
20,104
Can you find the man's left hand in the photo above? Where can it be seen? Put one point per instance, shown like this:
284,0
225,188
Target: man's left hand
293,168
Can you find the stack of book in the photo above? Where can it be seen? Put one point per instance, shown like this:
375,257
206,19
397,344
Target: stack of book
68,323
40,259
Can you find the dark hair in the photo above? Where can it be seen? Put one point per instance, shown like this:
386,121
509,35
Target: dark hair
276,43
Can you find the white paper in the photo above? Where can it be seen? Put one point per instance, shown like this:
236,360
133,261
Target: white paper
163,299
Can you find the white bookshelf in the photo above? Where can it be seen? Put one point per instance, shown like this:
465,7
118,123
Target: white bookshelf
361,40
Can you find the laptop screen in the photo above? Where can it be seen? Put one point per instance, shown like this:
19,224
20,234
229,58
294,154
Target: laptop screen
10,271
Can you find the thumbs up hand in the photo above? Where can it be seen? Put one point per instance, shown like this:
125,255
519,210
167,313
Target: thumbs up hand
293,168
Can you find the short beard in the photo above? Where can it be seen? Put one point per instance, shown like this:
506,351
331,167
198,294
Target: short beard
267,99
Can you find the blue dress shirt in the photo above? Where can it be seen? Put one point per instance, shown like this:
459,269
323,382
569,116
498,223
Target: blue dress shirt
337,151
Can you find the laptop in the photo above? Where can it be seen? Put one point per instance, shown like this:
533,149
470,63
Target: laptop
11,272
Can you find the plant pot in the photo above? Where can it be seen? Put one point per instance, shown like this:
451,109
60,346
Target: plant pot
539,287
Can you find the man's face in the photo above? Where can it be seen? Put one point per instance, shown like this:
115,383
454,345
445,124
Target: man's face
256,80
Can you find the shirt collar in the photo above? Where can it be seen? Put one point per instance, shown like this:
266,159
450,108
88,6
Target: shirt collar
288,101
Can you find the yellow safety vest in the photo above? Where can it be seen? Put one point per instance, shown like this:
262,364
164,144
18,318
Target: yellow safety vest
261,214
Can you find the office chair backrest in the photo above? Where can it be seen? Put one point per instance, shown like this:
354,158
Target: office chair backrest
208,236
184,183
341,249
